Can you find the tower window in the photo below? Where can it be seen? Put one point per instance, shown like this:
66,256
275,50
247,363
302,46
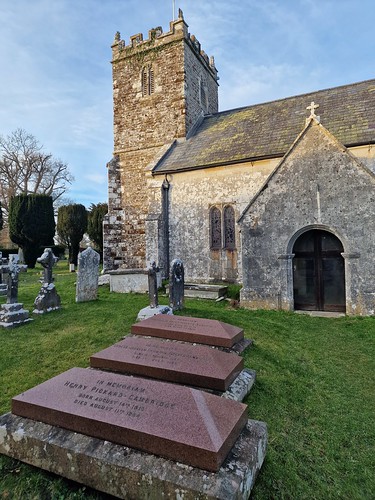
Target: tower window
147,81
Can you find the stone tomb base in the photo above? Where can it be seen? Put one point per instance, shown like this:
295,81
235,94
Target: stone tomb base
130,280
130,474
13,315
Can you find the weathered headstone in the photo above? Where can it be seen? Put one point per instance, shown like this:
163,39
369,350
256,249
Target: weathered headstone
88,274
199,366
176,285
21,259
47,299
3,286
173,421
153,309
12,313
202,331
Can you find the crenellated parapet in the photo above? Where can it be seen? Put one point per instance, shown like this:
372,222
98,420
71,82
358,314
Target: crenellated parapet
178,30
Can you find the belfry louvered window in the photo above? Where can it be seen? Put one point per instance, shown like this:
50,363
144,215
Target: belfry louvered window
148,84
229,228
215,228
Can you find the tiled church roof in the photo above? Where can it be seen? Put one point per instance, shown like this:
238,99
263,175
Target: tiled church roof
268,130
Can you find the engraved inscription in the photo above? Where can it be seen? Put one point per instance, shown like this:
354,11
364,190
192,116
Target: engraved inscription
199,330
196,365
190,325
128,399
165,355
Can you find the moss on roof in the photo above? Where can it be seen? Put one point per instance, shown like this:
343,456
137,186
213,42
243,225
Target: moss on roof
268,130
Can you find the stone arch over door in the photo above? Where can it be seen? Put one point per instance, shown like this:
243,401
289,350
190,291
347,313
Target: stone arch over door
318,270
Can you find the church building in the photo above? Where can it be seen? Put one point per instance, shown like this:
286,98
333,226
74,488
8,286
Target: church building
278,197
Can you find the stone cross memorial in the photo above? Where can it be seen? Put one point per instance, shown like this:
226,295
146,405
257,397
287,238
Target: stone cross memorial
12,271
153,309
88,275
12,313
48,299
153,285
176,285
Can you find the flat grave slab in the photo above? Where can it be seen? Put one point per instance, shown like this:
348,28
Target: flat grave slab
173,421
198,365
127,473
198,330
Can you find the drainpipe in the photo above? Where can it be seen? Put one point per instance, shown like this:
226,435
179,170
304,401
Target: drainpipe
165,209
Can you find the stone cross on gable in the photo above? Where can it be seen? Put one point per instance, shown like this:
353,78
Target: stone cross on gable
312,109
12,271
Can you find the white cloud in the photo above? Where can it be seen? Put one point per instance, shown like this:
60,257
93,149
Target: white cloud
56,73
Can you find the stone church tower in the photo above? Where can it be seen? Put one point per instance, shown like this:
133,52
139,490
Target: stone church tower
162,88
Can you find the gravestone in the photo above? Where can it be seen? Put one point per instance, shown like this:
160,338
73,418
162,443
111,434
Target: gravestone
199,330
47,299
88,275
176,285
172,421
12,313
3,286
153,309
88,425
153,285
199,366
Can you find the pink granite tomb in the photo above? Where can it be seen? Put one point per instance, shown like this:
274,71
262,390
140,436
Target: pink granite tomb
195,365
199,330
177,422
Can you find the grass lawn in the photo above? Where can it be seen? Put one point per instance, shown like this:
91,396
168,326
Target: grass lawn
314,388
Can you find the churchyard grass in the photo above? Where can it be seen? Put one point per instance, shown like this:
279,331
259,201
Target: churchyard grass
314,388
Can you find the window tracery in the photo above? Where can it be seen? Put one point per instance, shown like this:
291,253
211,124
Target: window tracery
215,228
229,228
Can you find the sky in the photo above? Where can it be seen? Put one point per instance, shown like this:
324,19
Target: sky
55,66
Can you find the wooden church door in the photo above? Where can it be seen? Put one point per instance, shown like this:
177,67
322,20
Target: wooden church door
318,272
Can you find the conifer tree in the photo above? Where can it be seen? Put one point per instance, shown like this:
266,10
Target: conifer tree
31,224
95,224
71,226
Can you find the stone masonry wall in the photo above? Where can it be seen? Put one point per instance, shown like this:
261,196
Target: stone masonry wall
143,124
191,195
289,205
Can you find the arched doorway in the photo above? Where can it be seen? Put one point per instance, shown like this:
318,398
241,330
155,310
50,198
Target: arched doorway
318,272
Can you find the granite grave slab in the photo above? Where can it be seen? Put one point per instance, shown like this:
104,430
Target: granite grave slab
199,330
173,421
199,366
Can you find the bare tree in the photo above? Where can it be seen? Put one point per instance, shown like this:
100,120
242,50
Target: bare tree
26,169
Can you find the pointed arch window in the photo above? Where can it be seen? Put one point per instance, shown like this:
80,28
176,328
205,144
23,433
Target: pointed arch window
229,228
215,228
147,81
